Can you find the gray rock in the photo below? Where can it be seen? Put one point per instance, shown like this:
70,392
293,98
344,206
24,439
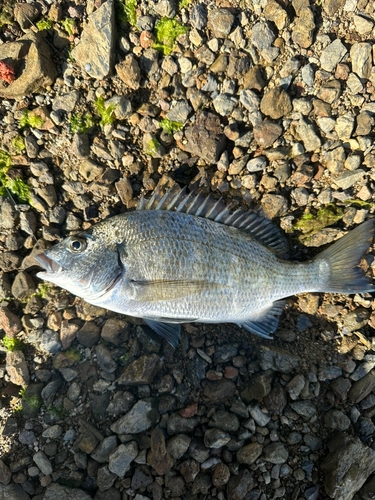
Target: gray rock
57,492
361,56
225,421
12,492
220,22
149,63
295,386
50,341
53,432
336,419
49,391
95,52
349,178
249,100
215,438
105,359
66,102
276,453
43,463
140,418
5,474
239,486
177,424
141,371
224,104
259,416
347,466
310,139
198,16
121,458
304,408
23,286
178,445
262,36
180,112
332,55
104,449
166,8
307,74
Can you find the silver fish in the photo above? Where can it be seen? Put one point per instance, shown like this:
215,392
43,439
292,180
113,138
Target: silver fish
184,258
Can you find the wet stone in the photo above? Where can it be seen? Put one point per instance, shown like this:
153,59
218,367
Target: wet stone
221,475
219,390
159,457
43,463
249,453
258,386
276,453
178,445
177,424
215,438
239,486
336,419
105,360
141,371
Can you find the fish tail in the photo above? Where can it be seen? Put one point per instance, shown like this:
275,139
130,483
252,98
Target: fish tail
339,263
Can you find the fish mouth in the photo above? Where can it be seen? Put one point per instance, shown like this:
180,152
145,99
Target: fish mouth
49,265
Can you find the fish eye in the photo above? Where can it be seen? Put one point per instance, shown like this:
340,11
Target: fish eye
77,245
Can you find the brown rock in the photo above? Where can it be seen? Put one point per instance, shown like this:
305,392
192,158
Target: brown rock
332,6
31,60
124,190
219,390
249,453
23,286
205,138
89,334
274,205
220,64
9,261
116,331
68,333
43,112
129,72
304,27
17,368
276,103
221,475
254,79
266,133
275,13
24,14
330,91
9,322
141,371
159,457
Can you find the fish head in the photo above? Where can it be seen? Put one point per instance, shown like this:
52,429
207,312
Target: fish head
86,264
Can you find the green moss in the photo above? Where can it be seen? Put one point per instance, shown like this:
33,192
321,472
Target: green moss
33,402
106,112
18,144
153,147
170,126
12,344
310,224
73,354
57,412
44,24
126,12
81,123
15,185
184,4
6,15
33,121
166,33
69,25
43,290
360,203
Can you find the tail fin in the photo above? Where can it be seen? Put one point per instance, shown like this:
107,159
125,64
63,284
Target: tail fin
343,257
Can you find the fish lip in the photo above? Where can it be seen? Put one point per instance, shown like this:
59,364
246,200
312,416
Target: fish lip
49,265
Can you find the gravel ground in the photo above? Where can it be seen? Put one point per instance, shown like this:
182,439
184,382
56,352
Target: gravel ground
268,105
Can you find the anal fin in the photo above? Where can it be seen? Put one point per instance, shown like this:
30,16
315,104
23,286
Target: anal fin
169,331
266,322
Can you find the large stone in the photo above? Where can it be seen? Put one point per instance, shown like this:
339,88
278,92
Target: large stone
347,466
276,103
239,486
219,390
304,27
361,56
349,178
332,55
159,457
13,492
121,458
267,132
17,368
9,322
362,387
220,22
310,139
277,359
95,52
274,205
332,6
141,417
205,138
249,453
141,371
58,492
31,59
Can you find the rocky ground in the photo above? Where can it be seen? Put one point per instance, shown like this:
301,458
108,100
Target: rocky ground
268,105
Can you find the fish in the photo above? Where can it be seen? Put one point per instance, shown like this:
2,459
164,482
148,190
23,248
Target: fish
186,258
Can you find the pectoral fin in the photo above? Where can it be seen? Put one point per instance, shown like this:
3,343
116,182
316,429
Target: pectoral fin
265,324
151,291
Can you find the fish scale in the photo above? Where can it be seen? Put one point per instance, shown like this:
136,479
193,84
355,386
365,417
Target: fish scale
182,258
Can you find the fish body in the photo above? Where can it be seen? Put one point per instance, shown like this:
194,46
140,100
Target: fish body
188,259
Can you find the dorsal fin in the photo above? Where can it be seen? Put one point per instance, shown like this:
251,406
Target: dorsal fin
177,200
